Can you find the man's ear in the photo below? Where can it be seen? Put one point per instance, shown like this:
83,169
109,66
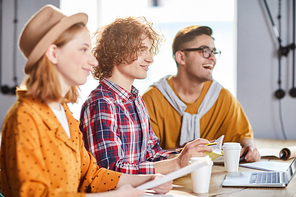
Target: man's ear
180,57
51,53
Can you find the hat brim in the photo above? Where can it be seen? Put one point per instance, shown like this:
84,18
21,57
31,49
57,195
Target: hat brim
51,36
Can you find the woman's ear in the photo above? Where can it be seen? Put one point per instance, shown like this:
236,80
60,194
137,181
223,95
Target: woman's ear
180,57
51,53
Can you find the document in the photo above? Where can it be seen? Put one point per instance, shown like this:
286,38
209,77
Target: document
217,148
267,165
173,175
157,195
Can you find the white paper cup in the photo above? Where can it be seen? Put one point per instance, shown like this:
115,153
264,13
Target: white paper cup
231,152
201,176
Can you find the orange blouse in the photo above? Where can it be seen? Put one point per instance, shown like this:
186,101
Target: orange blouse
38,158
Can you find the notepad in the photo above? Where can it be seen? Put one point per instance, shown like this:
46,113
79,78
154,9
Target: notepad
217,148
281,153
267,165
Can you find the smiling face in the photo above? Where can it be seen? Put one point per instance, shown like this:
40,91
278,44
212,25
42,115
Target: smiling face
195,65
75,60
127,73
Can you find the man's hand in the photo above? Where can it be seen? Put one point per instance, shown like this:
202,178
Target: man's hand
249,151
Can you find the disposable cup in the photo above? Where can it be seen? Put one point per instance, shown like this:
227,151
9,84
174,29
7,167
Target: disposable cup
231,153
202,175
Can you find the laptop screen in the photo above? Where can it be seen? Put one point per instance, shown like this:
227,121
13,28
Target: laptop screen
291,170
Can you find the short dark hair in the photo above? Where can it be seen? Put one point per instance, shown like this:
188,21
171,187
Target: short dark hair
187,34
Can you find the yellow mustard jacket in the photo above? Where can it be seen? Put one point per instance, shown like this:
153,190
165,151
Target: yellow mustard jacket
38,158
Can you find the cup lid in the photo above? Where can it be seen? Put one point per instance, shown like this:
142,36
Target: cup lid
205,158
231,145
199,158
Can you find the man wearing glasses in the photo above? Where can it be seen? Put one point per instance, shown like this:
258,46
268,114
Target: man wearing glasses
192,104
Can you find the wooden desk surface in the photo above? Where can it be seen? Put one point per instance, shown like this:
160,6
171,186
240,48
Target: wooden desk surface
183,185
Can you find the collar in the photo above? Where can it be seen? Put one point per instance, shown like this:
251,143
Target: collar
44,112
121,92
40,107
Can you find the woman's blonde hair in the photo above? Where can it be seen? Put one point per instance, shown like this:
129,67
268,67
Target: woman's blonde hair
43,81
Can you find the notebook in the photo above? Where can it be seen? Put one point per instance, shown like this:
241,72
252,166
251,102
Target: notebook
260,179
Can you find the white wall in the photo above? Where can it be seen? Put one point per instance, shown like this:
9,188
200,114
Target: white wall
26,8
257,64
257,68
167,22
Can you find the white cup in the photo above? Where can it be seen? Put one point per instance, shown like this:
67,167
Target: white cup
202,175
231,152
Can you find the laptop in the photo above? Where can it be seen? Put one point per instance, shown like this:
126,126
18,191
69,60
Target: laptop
260,179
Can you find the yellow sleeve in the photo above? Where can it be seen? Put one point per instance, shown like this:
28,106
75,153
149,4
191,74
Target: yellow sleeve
238,125
228,118
23,170
238,121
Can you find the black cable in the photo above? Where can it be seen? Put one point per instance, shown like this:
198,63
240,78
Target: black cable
279,18
1,43
5,89
292,92
280,93
293,60
15,42
273,26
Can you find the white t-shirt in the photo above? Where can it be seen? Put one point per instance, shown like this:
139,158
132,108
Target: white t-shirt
61,116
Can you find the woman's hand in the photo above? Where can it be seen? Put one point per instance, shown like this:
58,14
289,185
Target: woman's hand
163,188
194,148
123,191
129,191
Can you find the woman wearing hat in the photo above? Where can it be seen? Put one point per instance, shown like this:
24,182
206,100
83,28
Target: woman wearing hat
42,151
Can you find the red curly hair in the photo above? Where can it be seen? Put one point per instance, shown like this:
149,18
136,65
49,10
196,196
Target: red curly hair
121,41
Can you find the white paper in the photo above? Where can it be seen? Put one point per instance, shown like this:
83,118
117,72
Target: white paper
267,165
173,175
269,152
157,195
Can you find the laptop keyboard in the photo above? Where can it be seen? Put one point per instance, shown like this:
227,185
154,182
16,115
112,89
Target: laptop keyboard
265,177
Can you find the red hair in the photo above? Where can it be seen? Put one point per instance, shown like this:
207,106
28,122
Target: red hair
121,41
43,81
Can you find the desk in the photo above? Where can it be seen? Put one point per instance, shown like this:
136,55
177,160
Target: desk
183,185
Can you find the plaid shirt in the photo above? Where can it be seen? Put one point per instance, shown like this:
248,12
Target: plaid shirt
117,131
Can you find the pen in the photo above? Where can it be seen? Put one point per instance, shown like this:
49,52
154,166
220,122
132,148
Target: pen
210,144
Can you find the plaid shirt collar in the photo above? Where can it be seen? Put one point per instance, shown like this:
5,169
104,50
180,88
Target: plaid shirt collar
121,92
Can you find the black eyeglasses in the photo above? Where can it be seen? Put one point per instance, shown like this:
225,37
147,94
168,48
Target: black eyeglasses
206,51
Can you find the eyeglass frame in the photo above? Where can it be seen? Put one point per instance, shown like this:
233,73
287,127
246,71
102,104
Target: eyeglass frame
217,51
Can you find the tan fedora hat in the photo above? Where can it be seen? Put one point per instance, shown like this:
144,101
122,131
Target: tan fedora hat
42,30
